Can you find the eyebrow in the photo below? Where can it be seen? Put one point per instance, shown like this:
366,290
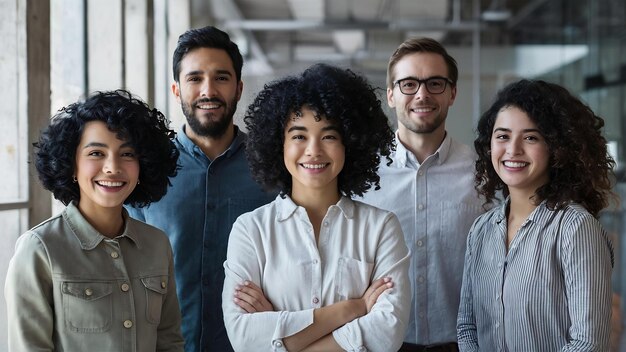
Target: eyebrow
509,130
103,145
199,72
420,79
302,128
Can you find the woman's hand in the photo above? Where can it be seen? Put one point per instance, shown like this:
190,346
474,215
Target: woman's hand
251,298
377,287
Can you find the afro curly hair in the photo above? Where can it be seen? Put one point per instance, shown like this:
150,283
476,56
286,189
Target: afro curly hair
339,95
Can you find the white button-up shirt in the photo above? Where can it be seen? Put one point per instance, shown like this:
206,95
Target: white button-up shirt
274,246
436,204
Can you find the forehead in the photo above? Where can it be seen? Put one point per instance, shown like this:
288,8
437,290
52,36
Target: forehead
206,60
94,131
512,117
307,117
420,65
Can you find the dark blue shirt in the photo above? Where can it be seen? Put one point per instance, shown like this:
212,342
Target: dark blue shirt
197,214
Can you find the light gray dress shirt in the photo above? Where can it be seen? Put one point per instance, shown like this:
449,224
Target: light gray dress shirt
550,292
436,204
274,246
70,288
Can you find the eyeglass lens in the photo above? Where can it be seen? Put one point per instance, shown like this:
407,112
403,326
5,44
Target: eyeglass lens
410,86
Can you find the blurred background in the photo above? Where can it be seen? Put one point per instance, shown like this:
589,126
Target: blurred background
54,52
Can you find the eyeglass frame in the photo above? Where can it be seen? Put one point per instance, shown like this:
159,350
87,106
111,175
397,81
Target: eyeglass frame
447,81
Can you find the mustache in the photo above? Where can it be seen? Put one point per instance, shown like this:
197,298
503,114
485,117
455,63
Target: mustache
209,100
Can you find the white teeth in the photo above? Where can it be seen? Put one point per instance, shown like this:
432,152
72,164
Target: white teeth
514,164
422,109
110,183
208,106
314,166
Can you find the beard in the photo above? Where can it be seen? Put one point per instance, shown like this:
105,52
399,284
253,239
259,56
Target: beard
422,127
216,126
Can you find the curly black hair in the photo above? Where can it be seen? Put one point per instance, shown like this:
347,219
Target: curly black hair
581,170
132,120
339,95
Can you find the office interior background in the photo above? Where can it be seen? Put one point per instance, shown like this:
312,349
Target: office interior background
55,51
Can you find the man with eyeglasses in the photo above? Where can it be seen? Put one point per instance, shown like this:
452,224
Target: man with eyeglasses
430,187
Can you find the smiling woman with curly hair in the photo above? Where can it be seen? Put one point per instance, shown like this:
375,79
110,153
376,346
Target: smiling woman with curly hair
91,277
314,267
333,94
542,254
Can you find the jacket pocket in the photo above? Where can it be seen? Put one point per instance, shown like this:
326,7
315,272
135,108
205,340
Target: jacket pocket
156,289
352,278
87,306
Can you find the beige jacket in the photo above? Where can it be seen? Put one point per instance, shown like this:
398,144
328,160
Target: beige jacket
69,288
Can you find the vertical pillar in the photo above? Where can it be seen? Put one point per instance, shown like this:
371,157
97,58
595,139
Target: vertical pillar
105,43
138,55
38,96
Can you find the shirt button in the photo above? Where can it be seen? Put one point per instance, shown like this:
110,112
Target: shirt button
420,207
125,287
315,261
128,324
326,223
316,300
278,344
88,292
115,255
420,279
163,284
420,173
420,243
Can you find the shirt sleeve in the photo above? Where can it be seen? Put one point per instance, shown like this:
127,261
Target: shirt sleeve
587,257
466,322
253,331
384,327
28,293
169,336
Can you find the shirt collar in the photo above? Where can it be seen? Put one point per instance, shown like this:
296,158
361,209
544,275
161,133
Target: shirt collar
535,215
238,142
286,207
87,235
403,156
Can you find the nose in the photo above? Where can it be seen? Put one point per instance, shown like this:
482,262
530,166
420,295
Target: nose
207,89
422,92
313,147
112,165
514,147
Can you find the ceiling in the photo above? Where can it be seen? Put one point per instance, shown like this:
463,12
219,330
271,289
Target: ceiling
284,35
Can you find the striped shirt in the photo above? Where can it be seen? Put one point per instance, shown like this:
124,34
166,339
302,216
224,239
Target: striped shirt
550,292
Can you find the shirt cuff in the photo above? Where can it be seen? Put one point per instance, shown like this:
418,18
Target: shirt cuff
349,340
290,323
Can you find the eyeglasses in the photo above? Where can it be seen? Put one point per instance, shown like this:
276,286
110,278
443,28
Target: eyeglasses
434,85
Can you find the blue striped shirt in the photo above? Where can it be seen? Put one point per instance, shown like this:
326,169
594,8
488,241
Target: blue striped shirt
550,292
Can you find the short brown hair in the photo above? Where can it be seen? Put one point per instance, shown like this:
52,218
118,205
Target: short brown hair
421,45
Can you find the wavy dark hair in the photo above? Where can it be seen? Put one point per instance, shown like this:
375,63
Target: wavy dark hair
581,170
206,37
339,95
132,120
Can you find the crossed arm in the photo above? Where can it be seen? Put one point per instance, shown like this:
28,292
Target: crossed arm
317,336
